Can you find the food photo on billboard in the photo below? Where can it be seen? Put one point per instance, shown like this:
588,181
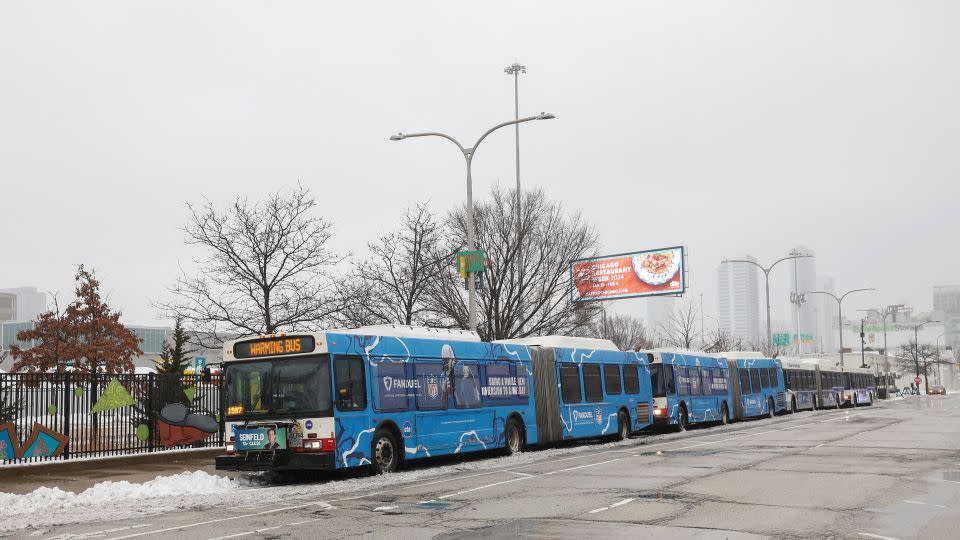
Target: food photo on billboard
629,275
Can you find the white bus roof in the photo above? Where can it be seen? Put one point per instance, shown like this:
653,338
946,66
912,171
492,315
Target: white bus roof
566,342
402,330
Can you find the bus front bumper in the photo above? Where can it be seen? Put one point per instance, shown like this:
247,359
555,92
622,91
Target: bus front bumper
276,461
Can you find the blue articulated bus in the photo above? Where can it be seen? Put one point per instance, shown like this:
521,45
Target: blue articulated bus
800,384
859,386
690,388
377,396
587,388
760,384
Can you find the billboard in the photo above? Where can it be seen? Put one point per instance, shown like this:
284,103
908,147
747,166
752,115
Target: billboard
628,275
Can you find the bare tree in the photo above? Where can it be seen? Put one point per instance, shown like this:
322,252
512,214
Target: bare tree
267,268
390,285
520,296
682,328
626,332
922,360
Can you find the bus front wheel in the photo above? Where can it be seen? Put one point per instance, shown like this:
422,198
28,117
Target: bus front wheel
682,419
623,426
385,457
513,437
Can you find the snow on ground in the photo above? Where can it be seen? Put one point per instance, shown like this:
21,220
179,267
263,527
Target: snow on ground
196,490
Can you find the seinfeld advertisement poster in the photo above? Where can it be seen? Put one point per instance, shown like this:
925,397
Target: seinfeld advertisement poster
267,438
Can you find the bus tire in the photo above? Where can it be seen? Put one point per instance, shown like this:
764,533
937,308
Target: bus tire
682,419
623,426
384,452
724,414
770,405
513,437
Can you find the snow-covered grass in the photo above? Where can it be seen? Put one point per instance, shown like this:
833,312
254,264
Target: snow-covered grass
198,489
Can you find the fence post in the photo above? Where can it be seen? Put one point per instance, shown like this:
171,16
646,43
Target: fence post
151,421
67,398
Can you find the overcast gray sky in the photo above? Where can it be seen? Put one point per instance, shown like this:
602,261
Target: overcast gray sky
728,127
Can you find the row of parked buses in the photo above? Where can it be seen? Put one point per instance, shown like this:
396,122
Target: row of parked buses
377,396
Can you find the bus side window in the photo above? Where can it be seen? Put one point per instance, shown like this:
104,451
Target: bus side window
351,384
764,377
611,379
744,381
695,387
570,382
706,381
774,382
466,391
788,379
683,381
755,380
520,372
719,386
631,379
392,390
430,385
592,387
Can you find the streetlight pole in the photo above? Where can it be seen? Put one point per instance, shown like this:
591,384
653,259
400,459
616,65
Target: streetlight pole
766,275
887,311
916,354
839,300
938,352
516,69
468,154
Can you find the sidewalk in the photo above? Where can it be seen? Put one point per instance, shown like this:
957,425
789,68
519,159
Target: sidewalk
79,475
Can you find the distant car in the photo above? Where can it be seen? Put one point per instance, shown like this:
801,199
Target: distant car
937,389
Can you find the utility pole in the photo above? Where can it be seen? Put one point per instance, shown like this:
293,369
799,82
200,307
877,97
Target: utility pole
516,69
797,298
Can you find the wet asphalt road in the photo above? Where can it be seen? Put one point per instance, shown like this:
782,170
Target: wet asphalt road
890,471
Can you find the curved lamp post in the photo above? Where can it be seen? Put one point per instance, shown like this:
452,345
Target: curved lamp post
468,154
839,300
766,275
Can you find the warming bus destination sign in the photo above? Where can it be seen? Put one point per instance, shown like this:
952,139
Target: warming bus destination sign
256,348
627,275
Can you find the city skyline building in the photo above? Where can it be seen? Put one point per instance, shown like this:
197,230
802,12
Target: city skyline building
30,303
946,308
738,300
826,308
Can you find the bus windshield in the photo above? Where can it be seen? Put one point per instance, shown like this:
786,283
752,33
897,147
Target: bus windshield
287,387
661,380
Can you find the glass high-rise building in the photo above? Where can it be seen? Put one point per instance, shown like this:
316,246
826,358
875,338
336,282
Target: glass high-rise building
739,300
946,307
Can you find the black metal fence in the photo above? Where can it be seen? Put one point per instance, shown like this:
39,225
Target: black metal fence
56,416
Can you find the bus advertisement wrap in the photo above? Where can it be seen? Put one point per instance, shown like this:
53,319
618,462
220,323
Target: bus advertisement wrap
627,275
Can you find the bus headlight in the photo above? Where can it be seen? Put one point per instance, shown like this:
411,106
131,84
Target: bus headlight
231,448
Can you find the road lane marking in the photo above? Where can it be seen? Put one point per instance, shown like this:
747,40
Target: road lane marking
265,529
385,508
877,536
219,520
518,473
614,505
925,504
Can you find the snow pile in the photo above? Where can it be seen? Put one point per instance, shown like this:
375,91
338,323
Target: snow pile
47,500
